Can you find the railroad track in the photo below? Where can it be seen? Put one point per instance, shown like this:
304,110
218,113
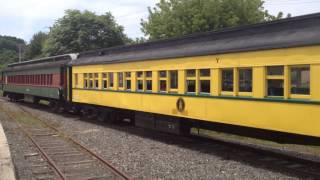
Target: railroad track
60,156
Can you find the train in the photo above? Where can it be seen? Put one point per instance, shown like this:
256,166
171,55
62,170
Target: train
262,76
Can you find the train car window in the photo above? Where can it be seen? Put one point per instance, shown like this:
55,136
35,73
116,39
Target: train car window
205,86
120,79
275,87
191,73
128,74
205,72
104,84
205,81
96,80
128,84
104,81
76,80
300,80
45,79
128,80
191,86
85,80
191,81
140,79
275,70
163,74
149,85
149,74
96,83
51,79
163,85
227,80
173,79
140,74
149,81
275,81
245,80
90,80
140,85
111,80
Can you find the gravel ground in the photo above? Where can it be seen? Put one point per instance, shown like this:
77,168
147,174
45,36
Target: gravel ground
149,155
20,147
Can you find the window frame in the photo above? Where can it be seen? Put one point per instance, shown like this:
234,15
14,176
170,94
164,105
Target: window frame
148,78
299,96
191,78
244,93
111,78
204,78
96,80
172,90
166,78
140,79
126,79
223,92
85,80
121,88
275,77
104,78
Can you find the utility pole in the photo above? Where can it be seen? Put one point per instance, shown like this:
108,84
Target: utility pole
20,52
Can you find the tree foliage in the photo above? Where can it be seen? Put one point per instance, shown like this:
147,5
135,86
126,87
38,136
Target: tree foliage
172,18
80,31
35,48
9,49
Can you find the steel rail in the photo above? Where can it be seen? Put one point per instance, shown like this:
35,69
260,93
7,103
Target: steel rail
45,155
109,165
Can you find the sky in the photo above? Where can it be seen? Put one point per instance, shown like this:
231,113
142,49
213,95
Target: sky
23,18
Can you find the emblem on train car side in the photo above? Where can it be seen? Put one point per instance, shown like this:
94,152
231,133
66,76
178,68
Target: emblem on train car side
181,105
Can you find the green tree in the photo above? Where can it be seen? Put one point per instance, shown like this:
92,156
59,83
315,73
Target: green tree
35,48
9,49
173,18
80,31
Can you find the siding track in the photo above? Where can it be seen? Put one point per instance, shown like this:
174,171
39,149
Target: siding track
60,156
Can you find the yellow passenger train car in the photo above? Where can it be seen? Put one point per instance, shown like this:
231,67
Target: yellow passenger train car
264,76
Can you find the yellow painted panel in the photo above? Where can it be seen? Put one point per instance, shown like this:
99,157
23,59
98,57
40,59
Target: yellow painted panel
293,118
315,82
259,82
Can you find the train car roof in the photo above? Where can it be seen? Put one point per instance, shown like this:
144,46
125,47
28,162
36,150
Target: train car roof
284,33
47,62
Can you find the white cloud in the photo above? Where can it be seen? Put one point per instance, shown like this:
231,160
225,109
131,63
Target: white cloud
23,18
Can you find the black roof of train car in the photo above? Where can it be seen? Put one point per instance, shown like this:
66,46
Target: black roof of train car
284,33
47,62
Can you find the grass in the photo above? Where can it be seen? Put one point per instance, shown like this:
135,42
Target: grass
27,120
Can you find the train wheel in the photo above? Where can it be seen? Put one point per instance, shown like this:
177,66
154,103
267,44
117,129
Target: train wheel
36,100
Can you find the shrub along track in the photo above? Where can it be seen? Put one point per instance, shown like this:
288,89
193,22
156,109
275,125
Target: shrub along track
64,157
